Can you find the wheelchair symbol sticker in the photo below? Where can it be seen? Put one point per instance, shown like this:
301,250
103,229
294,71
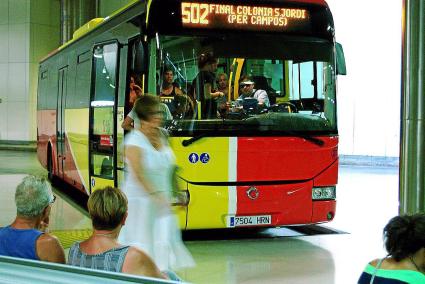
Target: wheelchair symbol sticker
193,158
205,158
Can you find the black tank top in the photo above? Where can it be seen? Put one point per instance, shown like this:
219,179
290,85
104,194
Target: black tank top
172,94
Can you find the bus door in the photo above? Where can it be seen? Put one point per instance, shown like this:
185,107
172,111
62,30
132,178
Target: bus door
60,122
103,113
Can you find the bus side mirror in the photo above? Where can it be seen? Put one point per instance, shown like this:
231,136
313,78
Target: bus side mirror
340,60
139,57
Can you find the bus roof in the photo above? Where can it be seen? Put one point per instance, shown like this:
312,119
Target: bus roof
90,26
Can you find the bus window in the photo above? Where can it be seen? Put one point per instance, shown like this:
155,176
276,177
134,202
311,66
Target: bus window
296,83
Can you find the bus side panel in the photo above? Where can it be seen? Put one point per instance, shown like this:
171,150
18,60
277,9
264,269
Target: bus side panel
46,127
205,161
208,208
77,164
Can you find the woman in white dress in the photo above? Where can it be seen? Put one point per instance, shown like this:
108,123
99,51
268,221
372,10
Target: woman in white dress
150,161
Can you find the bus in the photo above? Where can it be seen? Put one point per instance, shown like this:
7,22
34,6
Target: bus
249,166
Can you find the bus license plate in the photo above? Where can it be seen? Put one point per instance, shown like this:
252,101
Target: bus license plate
240,221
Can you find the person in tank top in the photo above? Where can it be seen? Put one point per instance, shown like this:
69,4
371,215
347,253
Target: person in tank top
102,251
404,238
27,236
181,103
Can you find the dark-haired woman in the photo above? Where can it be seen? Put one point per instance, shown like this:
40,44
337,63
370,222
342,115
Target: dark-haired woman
204,85
150,162
404,238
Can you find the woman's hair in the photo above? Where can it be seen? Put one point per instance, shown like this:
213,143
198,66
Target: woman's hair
145,106
404,235
222,74
205,59
32,195
166,69
107,208
137,79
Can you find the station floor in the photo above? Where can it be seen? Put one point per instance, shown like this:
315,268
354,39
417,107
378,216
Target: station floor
332,253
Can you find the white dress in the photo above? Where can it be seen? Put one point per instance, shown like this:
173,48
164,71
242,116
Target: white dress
147,227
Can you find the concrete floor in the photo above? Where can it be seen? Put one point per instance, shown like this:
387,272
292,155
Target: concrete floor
367,199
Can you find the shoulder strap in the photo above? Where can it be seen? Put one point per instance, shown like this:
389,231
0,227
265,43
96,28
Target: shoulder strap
376,270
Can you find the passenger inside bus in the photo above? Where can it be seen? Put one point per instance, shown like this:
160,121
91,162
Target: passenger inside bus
177,102
131,120
222,86
135,89
168,88
248,93
204,86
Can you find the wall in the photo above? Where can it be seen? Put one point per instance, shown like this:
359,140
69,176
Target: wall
29,29
107,7
369,96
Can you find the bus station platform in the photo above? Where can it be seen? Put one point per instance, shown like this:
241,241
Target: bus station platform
335,252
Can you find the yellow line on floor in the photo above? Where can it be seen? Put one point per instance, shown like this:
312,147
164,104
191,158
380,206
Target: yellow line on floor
68,237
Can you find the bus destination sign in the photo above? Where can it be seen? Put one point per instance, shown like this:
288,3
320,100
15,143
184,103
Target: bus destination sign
243,17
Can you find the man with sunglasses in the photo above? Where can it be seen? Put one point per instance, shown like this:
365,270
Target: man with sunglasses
26,237
247,91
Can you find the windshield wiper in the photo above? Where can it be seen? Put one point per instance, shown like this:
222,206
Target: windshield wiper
193,139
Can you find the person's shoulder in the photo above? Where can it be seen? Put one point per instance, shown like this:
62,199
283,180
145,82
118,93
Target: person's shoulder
136,255
178,91
50,249
138,262
134,137
48,241
374,262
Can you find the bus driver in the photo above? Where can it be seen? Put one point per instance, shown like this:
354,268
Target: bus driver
248,91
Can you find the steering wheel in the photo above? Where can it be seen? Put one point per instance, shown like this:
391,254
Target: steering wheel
284,107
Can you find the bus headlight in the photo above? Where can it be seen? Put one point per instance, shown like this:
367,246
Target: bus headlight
322,193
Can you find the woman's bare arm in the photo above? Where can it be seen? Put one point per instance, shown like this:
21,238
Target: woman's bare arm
127,124
134,156
208,94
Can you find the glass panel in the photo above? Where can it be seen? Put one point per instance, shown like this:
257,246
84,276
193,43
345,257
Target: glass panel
293,90
306,79
102,165
103,106
105,60
103,118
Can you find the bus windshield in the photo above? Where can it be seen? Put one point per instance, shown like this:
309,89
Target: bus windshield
259,85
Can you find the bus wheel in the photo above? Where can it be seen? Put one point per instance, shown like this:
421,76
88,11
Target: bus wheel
49,165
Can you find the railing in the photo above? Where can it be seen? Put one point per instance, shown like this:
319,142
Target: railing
17,270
